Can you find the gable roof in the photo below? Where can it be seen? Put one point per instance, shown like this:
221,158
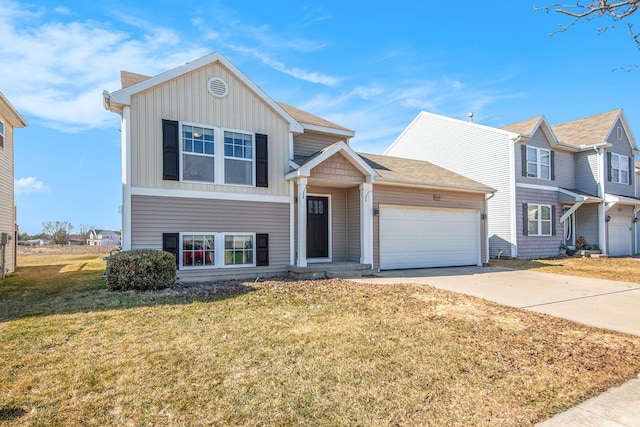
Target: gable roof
589,130
322,155
10,114
127,78
313,122
114,101
525,127
400,171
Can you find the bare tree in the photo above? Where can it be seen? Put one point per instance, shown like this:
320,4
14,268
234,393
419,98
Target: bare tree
58,231
613,11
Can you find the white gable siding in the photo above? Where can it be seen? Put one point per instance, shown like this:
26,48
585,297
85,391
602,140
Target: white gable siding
623,147
186,98
477,152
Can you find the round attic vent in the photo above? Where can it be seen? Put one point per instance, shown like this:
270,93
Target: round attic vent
217,87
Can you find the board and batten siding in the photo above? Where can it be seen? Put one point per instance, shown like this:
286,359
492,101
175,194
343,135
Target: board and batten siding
538,246
475,151
399,196
310,142
622,147
564,169
186,99
7,210
152,216
587,172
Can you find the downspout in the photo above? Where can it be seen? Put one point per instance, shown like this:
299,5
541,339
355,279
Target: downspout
602,230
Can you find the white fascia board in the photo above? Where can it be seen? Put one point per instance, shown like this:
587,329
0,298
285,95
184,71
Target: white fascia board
13,117
623,200
352,156
406,184
325,129
210,195
625,125
123,96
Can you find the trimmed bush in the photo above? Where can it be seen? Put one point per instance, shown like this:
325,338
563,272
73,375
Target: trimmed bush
141,270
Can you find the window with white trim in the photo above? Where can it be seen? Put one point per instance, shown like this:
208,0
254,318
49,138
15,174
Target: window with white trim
538,163
539,217
198,159
238,158
217,250
619,168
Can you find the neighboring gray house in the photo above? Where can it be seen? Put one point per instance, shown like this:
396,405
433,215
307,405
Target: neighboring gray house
554,183
238,185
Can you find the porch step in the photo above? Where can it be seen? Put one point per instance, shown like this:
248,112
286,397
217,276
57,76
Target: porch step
331,270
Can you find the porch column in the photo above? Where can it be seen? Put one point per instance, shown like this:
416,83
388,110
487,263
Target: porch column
366,223
302,221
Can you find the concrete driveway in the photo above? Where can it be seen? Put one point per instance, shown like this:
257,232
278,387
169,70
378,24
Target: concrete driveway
602,303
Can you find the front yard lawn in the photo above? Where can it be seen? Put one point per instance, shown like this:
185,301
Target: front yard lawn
327,352
620,269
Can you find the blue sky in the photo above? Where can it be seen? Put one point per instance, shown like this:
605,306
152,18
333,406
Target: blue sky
369,66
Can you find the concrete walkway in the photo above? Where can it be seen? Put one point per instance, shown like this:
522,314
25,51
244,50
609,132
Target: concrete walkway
601,303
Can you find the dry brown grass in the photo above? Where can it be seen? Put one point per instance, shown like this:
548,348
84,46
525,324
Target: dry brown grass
328,352
620,269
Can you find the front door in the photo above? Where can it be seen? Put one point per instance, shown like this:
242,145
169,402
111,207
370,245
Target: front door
317,227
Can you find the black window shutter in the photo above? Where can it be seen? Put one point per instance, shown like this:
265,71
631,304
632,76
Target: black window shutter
608,166
262,249
553,220
1,140
525,219
523,150
170,243
631,170
553,165
262,161
170,151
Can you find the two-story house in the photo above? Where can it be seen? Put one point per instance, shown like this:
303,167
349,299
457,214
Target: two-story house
238,185
10,119
103,237
554,183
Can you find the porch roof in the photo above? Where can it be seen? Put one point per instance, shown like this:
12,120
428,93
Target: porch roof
622,200
581,196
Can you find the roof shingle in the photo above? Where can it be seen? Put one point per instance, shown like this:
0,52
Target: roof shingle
306,117
588,131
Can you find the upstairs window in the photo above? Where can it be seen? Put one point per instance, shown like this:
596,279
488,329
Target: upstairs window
198,160
619,168
538,163
238,158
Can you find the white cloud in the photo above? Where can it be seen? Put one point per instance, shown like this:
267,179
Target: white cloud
59,69
30,185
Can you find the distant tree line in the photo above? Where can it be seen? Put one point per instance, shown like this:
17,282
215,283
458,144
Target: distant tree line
58,232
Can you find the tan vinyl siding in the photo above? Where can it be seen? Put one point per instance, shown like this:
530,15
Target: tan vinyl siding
338,168
152,216
622,147
587,172
353,224
7,221
473,151
538,246
309,143
564,163
186,99
392,195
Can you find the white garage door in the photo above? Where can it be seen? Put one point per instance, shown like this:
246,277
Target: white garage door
620,235
428,237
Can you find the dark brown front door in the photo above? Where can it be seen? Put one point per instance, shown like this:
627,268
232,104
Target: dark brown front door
317,227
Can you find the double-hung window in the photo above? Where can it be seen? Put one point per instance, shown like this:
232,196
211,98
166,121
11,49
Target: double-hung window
198,154
238,158
619,168
217,250
539,217
538,163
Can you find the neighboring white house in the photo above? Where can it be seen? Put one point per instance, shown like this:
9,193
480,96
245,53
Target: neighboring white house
238,185
103,237
9,120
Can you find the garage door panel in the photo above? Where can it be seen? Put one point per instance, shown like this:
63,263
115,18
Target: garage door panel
620,235
422,237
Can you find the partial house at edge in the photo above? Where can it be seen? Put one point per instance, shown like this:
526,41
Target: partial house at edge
238,185
10,119
554,183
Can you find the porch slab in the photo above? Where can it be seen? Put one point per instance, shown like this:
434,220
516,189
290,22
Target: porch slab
343,270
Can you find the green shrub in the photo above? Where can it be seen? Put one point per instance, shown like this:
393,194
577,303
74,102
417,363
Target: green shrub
140,270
